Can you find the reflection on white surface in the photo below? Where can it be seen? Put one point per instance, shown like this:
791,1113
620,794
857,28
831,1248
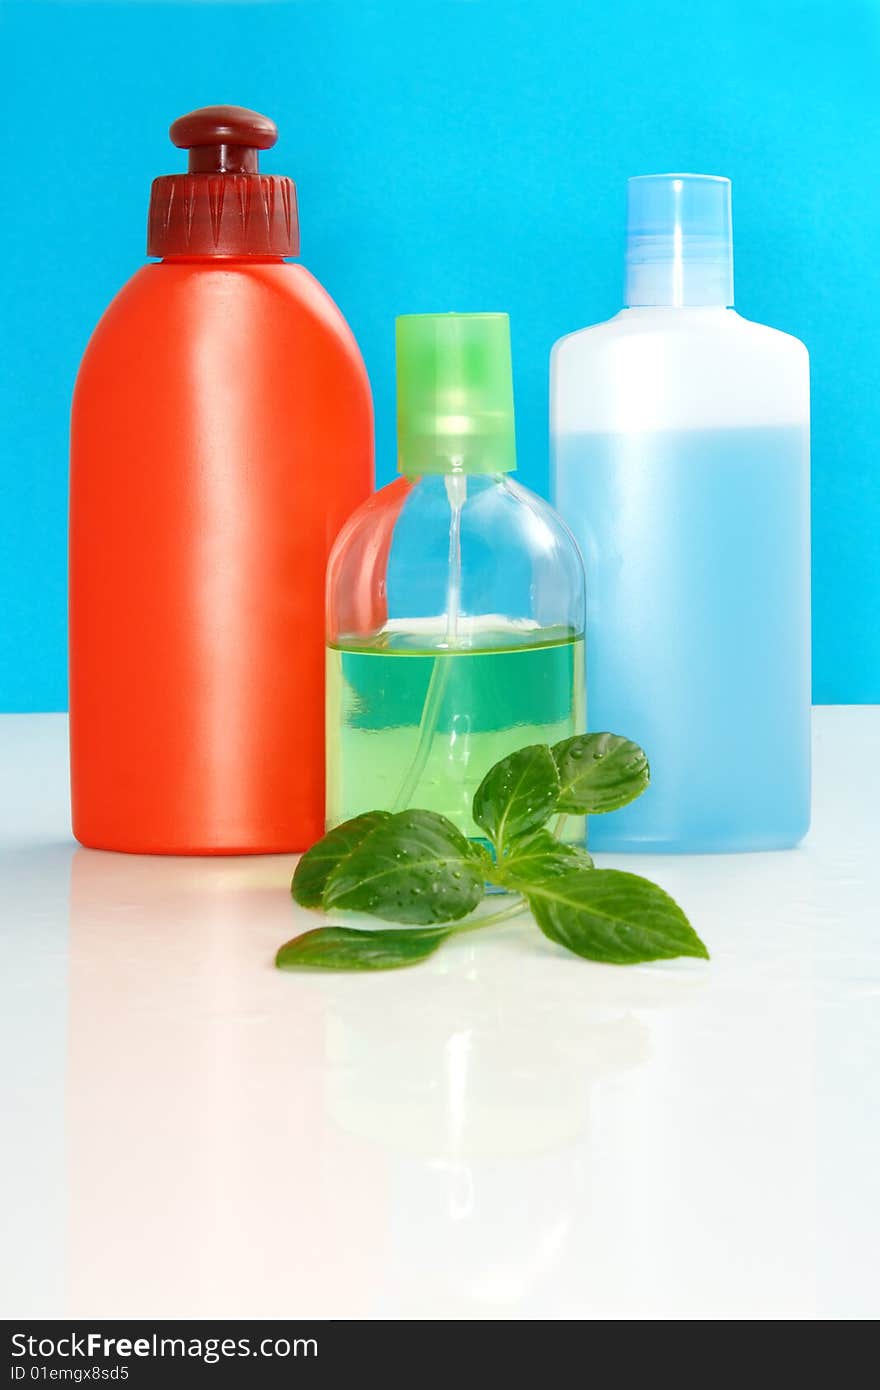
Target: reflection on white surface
35,852
481,1103
33,1048
299,1141
196,1145
500,1132
487,1135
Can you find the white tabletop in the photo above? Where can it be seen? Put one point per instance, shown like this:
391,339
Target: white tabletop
504,1131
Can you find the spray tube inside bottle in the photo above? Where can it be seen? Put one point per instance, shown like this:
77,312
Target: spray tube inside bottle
456,491
454,418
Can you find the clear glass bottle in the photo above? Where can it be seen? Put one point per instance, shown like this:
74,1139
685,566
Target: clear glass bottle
455,597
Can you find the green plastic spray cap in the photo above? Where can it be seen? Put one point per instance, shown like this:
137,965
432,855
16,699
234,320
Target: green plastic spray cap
454,394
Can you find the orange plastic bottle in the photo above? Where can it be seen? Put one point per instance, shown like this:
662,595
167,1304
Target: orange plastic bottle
221,434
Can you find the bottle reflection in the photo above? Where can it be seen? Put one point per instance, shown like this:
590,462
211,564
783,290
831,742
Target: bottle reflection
33,1039
476,1081
203,1179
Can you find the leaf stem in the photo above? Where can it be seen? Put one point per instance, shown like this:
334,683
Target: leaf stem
560,824
491,919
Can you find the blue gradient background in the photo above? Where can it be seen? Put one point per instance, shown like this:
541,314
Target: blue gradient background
452,155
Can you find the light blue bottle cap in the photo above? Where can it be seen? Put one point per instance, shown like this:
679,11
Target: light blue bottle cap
679,242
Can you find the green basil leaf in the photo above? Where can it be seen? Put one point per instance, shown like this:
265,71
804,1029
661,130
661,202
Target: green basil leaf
612,916
599,772
344,948
538,857
517,794
414,867
317,864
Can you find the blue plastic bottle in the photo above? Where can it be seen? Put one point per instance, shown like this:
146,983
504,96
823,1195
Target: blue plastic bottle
680,442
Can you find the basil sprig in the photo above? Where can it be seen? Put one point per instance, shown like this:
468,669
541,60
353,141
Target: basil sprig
417,869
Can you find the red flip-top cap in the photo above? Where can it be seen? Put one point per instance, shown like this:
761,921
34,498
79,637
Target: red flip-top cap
223,206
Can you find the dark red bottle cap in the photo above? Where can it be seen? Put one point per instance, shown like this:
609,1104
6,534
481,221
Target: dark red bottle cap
223,206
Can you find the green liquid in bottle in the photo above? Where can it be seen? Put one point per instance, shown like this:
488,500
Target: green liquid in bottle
412,722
